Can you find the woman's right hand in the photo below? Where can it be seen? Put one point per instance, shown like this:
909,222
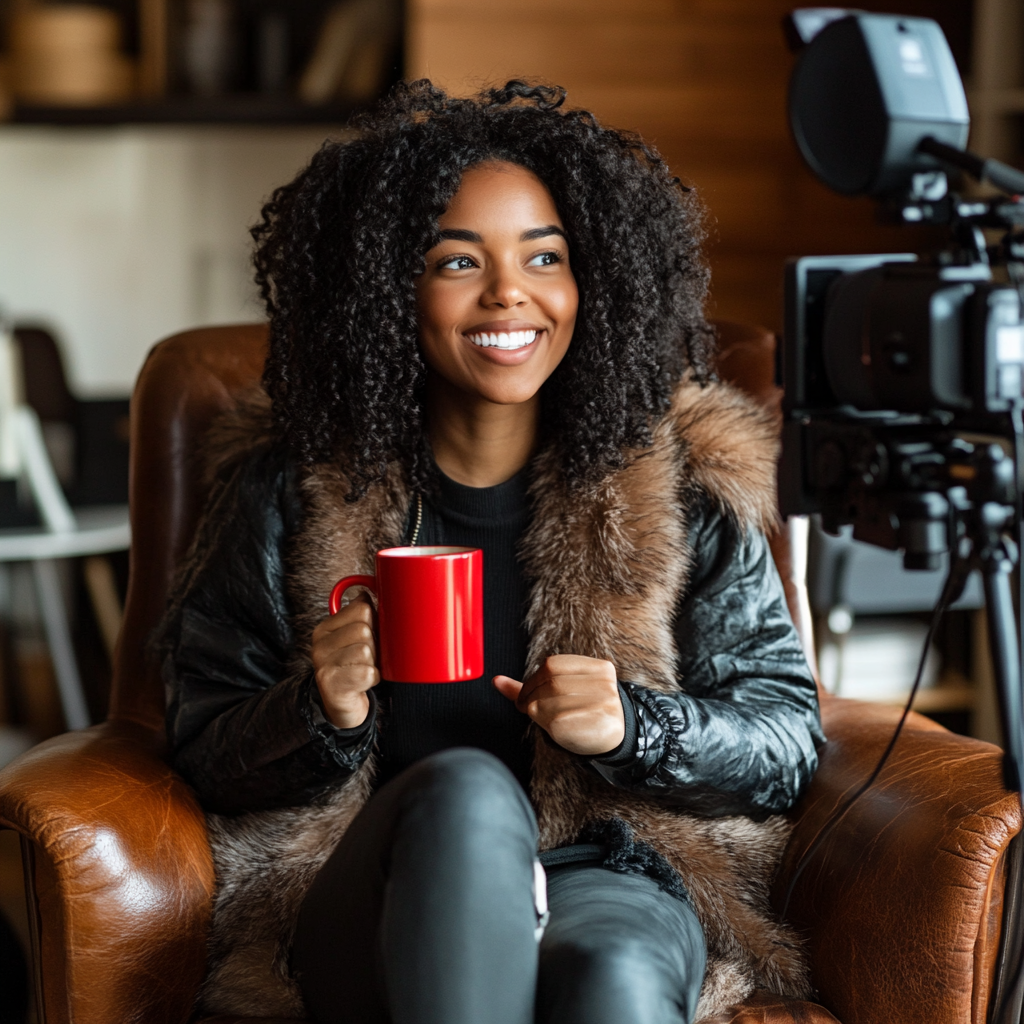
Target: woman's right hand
345,663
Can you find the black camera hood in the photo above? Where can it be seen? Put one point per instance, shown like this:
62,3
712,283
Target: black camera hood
866,90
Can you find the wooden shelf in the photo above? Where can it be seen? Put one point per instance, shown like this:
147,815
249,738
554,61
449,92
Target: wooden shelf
237,109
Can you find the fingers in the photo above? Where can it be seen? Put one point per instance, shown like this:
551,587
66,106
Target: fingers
343,651
338,680
507,686
569,664
359,609
564,709
560,687
575,700
344,655
348,644
563,674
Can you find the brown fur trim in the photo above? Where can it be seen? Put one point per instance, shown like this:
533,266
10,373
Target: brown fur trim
340,538
266,862
608,564
612,559
247,425
608,567
731,448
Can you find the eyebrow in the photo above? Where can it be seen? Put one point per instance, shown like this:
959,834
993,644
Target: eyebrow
534,233
462,235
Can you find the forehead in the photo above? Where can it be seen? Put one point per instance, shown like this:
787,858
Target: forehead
499,193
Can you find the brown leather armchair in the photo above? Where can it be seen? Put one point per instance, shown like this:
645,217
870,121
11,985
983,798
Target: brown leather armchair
903,906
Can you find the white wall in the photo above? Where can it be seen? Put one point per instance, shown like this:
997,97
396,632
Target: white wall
116,237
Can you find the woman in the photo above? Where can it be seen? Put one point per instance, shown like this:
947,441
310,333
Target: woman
487,330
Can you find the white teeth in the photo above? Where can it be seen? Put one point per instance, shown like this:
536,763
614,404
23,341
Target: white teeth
510,340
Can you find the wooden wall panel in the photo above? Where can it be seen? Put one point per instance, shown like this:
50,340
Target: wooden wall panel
704,81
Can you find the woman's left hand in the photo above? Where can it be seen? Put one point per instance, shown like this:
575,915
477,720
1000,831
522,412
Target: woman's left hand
575,700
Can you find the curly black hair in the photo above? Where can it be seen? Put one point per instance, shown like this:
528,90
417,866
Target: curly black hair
339,248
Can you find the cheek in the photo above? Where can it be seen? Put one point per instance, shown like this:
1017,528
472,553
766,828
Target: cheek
428,307
440,309
564,303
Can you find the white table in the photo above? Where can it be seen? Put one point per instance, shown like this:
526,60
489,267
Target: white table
100,530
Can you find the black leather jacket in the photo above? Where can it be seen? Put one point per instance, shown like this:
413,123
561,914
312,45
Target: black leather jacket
740,738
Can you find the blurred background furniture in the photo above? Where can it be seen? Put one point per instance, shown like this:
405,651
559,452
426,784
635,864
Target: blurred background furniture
89,533
870,619
903,907
50,444
199,60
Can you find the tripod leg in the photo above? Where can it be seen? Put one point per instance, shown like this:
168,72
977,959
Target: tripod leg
1002,631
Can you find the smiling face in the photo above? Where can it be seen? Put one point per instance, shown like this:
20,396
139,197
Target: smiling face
497,301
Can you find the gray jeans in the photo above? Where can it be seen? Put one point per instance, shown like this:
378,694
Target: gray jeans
425,914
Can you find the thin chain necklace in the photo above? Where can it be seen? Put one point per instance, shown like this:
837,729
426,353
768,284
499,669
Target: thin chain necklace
419,520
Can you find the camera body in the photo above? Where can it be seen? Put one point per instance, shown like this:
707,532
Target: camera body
889,366
891,333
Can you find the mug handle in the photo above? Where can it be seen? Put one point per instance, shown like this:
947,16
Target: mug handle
370,582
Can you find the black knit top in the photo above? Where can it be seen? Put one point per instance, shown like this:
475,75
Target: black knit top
417,719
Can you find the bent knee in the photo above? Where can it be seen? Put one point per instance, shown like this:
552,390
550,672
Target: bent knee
463,768
472,784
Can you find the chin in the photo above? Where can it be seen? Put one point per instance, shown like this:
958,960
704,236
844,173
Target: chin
509,396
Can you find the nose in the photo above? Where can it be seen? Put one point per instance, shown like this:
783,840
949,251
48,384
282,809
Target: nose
504,287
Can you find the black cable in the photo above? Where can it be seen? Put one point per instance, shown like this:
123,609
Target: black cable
948,589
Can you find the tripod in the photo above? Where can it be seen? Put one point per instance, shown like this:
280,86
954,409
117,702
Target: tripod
965,498
983,527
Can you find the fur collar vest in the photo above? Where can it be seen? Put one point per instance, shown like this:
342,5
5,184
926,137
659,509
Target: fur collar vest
607,566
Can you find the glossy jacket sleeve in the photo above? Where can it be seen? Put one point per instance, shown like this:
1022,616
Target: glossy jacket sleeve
741,736
245,732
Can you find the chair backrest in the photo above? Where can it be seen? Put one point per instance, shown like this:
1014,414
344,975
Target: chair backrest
186,382
46,386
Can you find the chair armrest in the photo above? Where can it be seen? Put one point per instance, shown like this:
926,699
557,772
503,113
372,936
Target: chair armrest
121,873
903,902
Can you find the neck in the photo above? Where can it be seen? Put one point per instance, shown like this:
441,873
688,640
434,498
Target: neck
476,442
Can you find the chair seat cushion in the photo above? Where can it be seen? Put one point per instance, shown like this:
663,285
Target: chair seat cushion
760,1008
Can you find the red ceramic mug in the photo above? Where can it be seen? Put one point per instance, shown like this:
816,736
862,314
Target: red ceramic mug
430,612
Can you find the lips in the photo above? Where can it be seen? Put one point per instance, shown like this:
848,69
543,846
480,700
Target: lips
507,340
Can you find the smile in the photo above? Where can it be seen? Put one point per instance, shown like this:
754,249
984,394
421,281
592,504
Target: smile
508,340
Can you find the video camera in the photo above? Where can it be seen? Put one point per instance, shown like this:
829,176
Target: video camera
903,375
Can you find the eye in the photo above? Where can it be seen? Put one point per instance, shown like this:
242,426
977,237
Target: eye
545,259
457,263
